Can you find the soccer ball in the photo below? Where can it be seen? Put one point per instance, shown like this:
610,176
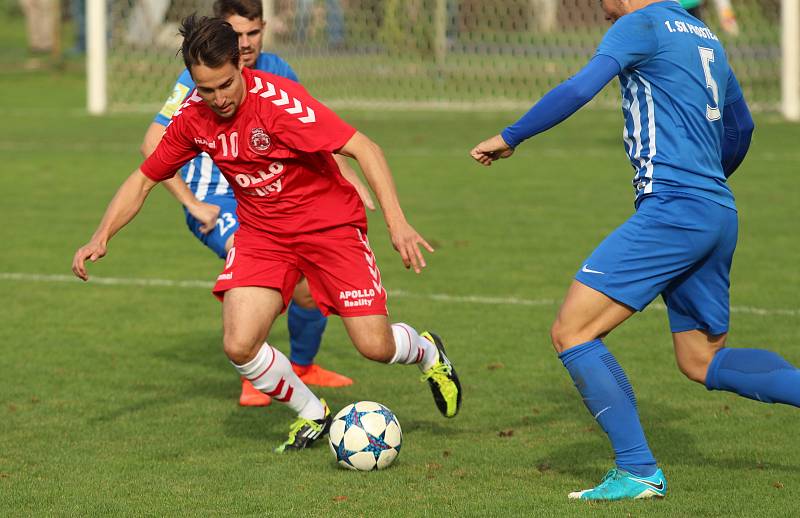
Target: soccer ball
365,436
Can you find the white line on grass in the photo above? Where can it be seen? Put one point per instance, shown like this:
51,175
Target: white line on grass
440,297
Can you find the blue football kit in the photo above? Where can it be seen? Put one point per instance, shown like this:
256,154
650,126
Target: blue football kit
201,174
676,85
675,81
686,130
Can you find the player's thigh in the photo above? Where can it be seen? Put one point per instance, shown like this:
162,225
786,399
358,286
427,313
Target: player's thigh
666,237
585,315
247,316
342,272
219,238
372,336
699,298
694,351
261,270
302,295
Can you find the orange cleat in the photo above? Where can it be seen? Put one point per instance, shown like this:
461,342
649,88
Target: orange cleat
315,375
251,396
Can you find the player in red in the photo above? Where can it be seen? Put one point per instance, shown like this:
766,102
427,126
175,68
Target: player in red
298,216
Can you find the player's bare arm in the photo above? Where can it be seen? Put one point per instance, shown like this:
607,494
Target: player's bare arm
490,150
122,209
205,213
376,170
352,176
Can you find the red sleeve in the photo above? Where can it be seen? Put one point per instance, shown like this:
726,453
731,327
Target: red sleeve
305,124
175,149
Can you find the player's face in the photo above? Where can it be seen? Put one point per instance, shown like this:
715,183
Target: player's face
250,33
221,88
614,9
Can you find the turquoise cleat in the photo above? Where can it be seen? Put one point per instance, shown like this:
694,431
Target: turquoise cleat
621,485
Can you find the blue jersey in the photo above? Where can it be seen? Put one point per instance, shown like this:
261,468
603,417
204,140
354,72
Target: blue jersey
675,81
201,174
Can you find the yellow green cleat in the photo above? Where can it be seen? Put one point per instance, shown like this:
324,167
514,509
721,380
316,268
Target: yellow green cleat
443,380
303,432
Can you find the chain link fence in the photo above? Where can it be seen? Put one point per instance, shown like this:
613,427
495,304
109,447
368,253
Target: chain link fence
427,54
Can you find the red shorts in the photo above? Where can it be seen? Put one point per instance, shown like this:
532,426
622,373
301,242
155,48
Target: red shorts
338,263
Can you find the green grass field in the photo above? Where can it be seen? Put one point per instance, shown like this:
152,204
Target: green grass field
116,398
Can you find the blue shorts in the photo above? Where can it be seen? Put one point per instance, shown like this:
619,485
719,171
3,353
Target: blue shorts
679,246
227,223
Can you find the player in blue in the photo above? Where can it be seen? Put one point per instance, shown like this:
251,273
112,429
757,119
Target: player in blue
687,128
211,207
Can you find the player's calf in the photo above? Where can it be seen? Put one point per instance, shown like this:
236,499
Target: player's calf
694,352
755,374
372,337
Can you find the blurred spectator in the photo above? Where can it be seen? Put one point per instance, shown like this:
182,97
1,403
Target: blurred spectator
40,20
545,15
146,21
727,17
77,10
334,21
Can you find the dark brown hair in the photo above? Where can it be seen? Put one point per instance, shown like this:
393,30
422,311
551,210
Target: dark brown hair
250,9
208,41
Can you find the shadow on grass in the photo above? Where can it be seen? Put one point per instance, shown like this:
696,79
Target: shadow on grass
671,442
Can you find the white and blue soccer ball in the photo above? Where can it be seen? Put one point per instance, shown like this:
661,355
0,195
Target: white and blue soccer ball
365,436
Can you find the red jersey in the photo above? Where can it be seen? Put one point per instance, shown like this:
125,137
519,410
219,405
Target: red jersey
275,153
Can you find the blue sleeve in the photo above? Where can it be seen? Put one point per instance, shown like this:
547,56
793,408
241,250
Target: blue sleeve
631,40
183,86
274,64
733,92
563,100
738,130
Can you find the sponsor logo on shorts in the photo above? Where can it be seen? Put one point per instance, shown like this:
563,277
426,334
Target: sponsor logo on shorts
586,269
357,298
225,276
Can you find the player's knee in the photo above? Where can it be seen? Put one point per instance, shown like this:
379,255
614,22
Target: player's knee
694,368
561,336
238,350
304,300
378,353
377,350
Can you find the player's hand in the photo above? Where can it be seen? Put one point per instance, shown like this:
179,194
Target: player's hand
490,150
406,241
93,250
206,214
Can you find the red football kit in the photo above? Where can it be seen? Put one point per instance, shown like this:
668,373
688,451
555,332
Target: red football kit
298,214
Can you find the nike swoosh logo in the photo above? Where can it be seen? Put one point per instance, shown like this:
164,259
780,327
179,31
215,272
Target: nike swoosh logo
657,487
586,269
600,412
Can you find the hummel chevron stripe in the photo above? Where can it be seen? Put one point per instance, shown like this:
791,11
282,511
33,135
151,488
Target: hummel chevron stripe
285,99
297,108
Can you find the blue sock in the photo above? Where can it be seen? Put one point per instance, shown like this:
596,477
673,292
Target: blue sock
609,397
305,333
755,374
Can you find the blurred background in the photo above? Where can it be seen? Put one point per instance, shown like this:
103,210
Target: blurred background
442,54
